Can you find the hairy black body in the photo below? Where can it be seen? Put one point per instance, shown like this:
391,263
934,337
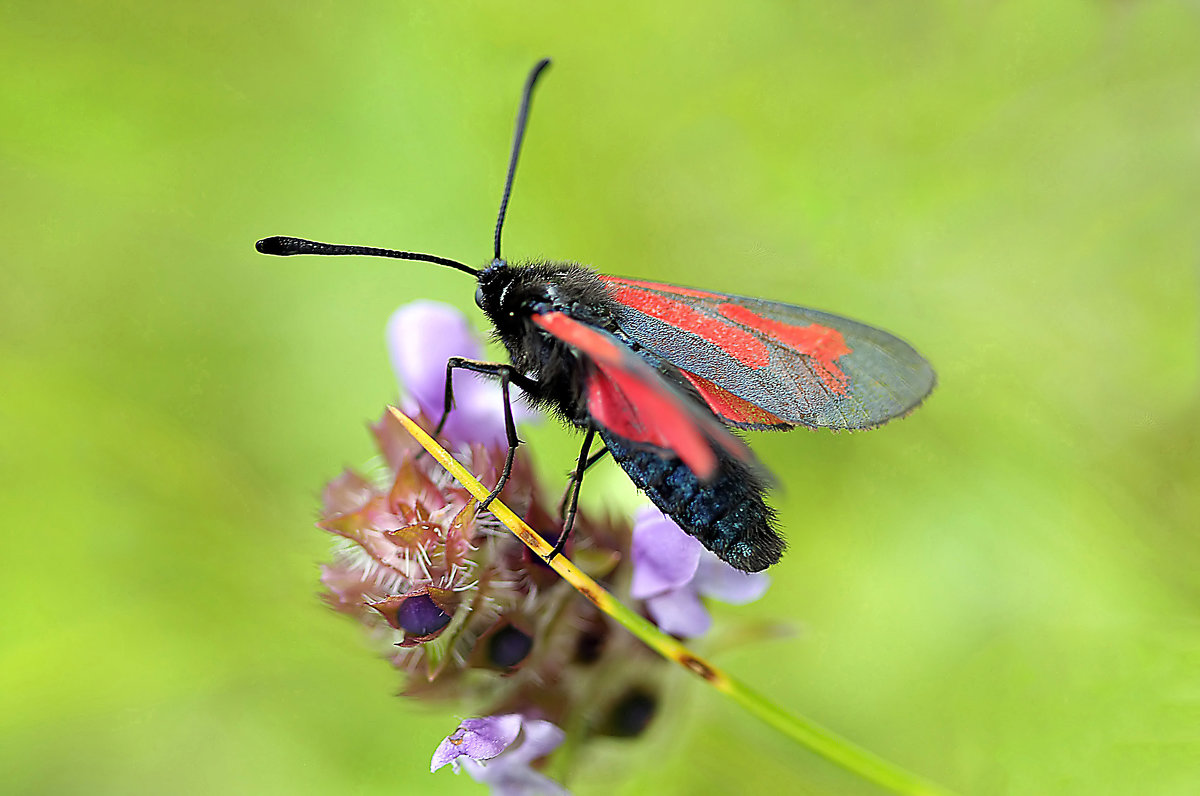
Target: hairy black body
510,295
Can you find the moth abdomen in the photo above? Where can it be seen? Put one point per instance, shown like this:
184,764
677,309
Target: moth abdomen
727,513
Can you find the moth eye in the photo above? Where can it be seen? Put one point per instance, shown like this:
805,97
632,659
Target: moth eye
479,297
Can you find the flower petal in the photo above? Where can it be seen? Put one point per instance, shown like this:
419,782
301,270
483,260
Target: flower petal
664,557
513,780
347,493
478,739
421,336
716,579
538,739
679,613
510,774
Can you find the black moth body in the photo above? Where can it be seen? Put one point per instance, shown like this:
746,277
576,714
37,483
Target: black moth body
727,513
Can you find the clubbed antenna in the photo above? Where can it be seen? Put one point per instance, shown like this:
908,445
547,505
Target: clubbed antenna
285,247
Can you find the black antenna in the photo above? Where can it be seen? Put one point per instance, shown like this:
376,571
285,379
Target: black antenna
518,136
285,247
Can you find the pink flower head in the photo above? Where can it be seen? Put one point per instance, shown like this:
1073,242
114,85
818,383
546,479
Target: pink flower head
672,571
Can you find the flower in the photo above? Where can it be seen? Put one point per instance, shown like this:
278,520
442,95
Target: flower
468,613
499,751
478,739
405,562
672,571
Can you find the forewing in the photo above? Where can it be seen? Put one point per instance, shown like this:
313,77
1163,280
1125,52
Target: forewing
633,400
799,366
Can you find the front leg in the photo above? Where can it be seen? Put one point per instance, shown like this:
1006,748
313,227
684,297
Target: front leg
486,368
506,374
510,428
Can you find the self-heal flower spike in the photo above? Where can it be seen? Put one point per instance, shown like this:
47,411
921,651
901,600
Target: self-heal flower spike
414,550
418,562
672,572
465,609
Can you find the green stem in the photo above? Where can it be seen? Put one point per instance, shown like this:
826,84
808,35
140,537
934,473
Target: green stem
807,733
811,735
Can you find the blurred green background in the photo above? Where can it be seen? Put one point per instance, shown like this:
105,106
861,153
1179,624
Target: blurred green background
1000,592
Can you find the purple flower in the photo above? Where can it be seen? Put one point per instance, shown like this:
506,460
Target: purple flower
421,336
672,571
478,739
499,751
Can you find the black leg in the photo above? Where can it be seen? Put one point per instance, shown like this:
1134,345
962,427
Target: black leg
573,487
477,366
506,374
595,457
510,428
448,401
574,478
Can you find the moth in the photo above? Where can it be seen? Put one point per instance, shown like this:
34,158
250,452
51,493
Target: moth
664,375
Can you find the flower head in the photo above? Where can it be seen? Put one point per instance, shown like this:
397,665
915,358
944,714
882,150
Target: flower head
462,606
672,572
417,561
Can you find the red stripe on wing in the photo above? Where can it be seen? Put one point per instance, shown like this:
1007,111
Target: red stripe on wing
630,398
732,408
820,343
738,343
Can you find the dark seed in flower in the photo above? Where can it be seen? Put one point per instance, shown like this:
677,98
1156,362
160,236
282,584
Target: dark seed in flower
632,714
420,616
508,647
591,642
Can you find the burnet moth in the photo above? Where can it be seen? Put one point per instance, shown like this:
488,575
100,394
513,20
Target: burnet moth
663,373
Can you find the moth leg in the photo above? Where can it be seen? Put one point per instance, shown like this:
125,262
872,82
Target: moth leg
448,401
572,493
488,369
506,374
510,428
576,476
595,457
477,366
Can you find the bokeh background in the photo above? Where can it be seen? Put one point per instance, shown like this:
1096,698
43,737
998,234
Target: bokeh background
999,592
